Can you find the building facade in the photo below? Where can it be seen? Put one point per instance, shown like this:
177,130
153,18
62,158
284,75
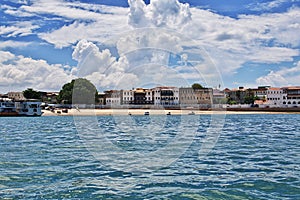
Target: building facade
16,96
166,96
127,97
113,97
291,97
274,97
190,96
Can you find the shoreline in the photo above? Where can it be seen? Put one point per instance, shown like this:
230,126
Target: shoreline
119,112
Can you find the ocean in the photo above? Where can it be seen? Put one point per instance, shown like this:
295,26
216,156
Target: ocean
151,157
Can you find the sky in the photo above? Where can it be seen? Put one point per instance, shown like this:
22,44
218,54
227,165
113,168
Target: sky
120,44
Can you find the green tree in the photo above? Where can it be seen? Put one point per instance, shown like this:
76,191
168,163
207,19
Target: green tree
78,91
29,93
196,86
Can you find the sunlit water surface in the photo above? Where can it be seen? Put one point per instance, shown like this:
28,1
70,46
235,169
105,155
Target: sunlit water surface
255,157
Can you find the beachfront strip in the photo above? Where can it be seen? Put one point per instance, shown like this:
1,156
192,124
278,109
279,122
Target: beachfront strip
262,97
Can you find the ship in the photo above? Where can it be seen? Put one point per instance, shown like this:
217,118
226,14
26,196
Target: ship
21,108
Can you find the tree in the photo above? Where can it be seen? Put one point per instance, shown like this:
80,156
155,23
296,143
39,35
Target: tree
78,91
196,86
29,93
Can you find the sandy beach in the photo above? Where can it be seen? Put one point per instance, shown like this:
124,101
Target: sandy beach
107,112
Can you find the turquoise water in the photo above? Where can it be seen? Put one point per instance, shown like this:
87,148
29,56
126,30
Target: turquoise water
255,157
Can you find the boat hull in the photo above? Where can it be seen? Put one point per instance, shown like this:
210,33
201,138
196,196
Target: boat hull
9,114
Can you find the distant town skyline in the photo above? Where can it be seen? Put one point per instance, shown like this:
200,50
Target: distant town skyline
115,44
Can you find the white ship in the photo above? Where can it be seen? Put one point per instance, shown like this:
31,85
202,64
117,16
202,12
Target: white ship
22,108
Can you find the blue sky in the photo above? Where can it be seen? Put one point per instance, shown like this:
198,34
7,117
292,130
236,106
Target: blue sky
125,44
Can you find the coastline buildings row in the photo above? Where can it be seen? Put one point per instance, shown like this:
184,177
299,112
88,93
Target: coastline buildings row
165,96
263,96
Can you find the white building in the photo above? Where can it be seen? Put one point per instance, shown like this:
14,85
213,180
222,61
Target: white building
166,95
275,97
113,98
149,95
16,96
127,97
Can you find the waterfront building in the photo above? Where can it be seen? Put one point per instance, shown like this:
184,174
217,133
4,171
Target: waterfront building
16,96
166,96
261,92
139,96
190,96
101,99
50,97
275,97
113,97
291,97
219,97
127,97
149,96
238,95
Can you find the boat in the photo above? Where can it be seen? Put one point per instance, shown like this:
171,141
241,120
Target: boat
8,108
191,113
146,113
169,113
21,108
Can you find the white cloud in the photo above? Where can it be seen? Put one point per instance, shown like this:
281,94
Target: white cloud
282,77
100,67
13,44
18,29
92,22
91,59
145,34
20,72
158,13
267,5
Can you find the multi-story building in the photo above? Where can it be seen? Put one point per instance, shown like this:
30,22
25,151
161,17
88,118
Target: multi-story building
291,97
143,96
16,96
113,97
101,99
261,92
237,95
127,97
149,96
219,97
166,95
50,97
275,97
190,96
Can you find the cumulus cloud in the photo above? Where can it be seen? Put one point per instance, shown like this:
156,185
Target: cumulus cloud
21,72
145,35
100,67
282,77
158,13
91,59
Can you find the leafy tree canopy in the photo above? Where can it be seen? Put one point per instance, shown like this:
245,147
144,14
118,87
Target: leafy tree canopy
29,93
78,91
197,86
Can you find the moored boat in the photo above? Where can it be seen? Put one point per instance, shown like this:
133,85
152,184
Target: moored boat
9,108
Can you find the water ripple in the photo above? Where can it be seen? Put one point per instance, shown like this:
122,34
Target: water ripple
256,157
